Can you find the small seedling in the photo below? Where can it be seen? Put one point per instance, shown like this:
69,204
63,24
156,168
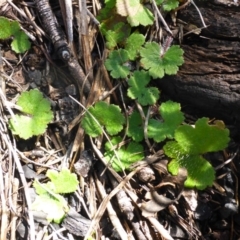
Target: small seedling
36,115
49,199
9,28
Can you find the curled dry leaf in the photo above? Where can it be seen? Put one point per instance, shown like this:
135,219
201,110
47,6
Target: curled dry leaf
156,204
146,174
76,224
159,202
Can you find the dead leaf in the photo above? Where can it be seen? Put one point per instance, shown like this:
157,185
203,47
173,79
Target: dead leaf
156,204
159,202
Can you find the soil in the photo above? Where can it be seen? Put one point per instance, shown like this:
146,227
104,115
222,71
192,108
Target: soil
147,202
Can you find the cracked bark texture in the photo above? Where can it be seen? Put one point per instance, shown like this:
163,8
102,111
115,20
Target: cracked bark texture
209,80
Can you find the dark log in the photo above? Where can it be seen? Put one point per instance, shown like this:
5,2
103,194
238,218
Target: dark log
209,79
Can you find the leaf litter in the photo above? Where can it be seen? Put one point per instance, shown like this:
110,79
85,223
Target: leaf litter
94,202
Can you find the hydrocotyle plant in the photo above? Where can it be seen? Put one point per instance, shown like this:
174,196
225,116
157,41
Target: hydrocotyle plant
137,62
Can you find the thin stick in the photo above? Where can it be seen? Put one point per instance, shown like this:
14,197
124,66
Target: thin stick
103,205
26,192
17,9
200,15
146,131
161,17
26,17
4,209
69,20
159,227
13,152
92,17
111,212
15,186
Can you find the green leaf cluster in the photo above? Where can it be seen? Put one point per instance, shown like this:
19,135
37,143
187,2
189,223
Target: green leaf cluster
103,115
187,144
138,90
116,63
9,28
36,114
117,35
188,148
130,47
122,158
160,64
172,118
49,200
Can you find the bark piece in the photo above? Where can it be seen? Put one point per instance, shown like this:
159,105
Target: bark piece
210,77
76,224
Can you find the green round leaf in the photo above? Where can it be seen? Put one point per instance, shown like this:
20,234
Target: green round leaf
135,12
9,28
107,115
64,181
133,44
127,155
36,115
52,207
139,91
202,138
20,44
201,174
172,116
159,64
115,63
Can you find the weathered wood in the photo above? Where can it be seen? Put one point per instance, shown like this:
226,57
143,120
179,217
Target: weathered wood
210,77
